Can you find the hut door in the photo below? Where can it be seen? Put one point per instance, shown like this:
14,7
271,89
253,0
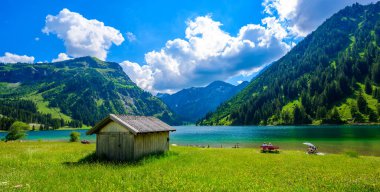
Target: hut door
114,146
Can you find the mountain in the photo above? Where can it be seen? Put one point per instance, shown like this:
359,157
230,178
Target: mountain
193,103
82,90
331,77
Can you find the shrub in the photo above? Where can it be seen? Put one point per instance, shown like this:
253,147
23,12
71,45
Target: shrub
17,131
74,136
353,154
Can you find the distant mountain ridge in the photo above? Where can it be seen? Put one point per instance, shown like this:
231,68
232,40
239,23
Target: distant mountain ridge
193,103
332,76
84,89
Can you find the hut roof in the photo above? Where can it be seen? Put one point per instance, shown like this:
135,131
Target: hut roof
135,124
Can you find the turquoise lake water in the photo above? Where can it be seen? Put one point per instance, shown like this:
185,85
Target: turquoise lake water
330,139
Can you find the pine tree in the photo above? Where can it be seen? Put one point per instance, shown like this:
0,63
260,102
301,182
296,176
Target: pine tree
373,117
376,94
362,104
356,115
321,112
297,114
376,73
333,117
368,87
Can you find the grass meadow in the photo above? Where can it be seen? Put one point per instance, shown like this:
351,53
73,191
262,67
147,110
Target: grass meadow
60,166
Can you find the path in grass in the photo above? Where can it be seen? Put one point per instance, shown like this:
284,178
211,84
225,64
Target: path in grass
53,166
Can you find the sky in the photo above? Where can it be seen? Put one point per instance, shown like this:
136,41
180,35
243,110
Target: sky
163,45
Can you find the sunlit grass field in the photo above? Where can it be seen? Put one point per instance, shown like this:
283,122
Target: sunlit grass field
59,166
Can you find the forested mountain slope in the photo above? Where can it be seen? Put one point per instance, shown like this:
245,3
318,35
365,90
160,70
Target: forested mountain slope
72,92
332,76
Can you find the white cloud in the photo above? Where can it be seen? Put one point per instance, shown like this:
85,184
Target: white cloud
208,53
13,58
303,16
131,37
61,57
81,36
141,75
36,38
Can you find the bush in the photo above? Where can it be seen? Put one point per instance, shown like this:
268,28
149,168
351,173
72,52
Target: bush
74,136
17,131
353,154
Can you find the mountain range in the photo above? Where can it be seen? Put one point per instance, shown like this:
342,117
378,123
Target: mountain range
330,77
194,103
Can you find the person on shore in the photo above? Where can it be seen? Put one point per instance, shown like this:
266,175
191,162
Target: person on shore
311,150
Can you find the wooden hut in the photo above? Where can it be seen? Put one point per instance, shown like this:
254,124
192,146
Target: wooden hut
125,138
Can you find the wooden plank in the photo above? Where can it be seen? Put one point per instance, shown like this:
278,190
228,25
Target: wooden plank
127,146
122,148
113,127
138,145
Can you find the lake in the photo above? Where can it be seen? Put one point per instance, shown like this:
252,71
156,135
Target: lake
330,139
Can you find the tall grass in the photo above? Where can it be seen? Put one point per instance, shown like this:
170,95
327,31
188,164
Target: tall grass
55,166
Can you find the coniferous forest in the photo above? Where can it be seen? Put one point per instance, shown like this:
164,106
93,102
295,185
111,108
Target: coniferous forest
330,77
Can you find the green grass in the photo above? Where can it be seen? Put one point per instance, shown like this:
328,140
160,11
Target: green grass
55,166
345,108
333,64
6,88
353,41
43,107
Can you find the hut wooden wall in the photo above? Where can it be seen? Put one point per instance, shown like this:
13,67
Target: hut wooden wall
115,143
150,143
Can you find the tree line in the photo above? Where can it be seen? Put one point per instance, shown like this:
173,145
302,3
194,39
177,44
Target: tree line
26,111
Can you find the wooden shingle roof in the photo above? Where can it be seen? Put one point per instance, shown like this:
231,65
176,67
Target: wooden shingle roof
136,124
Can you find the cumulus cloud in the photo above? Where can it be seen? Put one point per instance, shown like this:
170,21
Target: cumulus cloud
13,58
208,53
131,37
81,36
141,75
303,16
61,57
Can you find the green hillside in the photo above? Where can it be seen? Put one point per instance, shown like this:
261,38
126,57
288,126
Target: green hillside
332,76
73,92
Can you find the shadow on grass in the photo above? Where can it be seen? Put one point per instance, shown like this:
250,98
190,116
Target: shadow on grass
270,152
92,158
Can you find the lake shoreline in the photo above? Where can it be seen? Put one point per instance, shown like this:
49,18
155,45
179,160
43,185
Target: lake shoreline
329,139
194,125
196,146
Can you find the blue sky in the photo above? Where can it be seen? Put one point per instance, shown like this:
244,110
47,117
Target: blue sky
162,45
152,22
